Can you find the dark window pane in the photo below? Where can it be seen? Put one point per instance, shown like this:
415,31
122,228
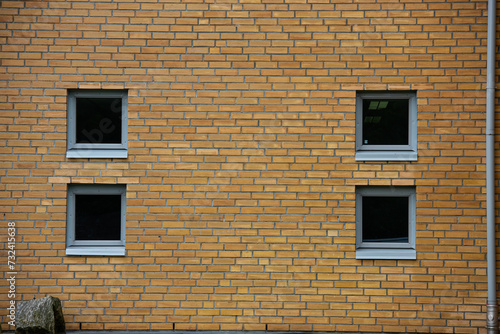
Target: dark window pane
385,219
385,122
99,120
97,217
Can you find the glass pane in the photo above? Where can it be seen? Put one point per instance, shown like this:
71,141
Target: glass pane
99,120
97,217
385,122
385,219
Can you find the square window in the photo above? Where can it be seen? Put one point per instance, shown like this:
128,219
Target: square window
385,222
96,220
97,124
97,217
98,120
386,126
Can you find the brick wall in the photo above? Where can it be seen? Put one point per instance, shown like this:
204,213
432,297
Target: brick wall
241,173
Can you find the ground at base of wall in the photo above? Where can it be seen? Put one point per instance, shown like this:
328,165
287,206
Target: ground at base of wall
212,332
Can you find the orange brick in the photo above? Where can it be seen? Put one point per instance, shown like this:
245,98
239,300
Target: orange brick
241,174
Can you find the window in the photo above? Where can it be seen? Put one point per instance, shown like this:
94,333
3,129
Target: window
385,223
96,220
386,126
97,124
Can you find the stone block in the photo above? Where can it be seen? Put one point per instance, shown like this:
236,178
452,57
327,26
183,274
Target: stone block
40,316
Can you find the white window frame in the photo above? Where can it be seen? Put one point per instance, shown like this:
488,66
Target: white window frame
97,247
386,250
96,150
387,152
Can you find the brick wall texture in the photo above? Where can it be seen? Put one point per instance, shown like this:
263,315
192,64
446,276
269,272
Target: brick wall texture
241,173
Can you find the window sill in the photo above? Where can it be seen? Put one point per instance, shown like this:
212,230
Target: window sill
386,156
385,254
96,251
82,153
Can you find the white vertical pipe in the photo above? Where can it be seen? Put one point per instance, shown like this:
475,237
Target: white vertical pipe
492,305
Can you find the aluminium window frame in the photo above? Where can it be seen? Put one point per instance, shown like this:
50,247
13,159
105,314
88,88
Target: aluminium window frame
387,152
95,247
386,250
96,150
